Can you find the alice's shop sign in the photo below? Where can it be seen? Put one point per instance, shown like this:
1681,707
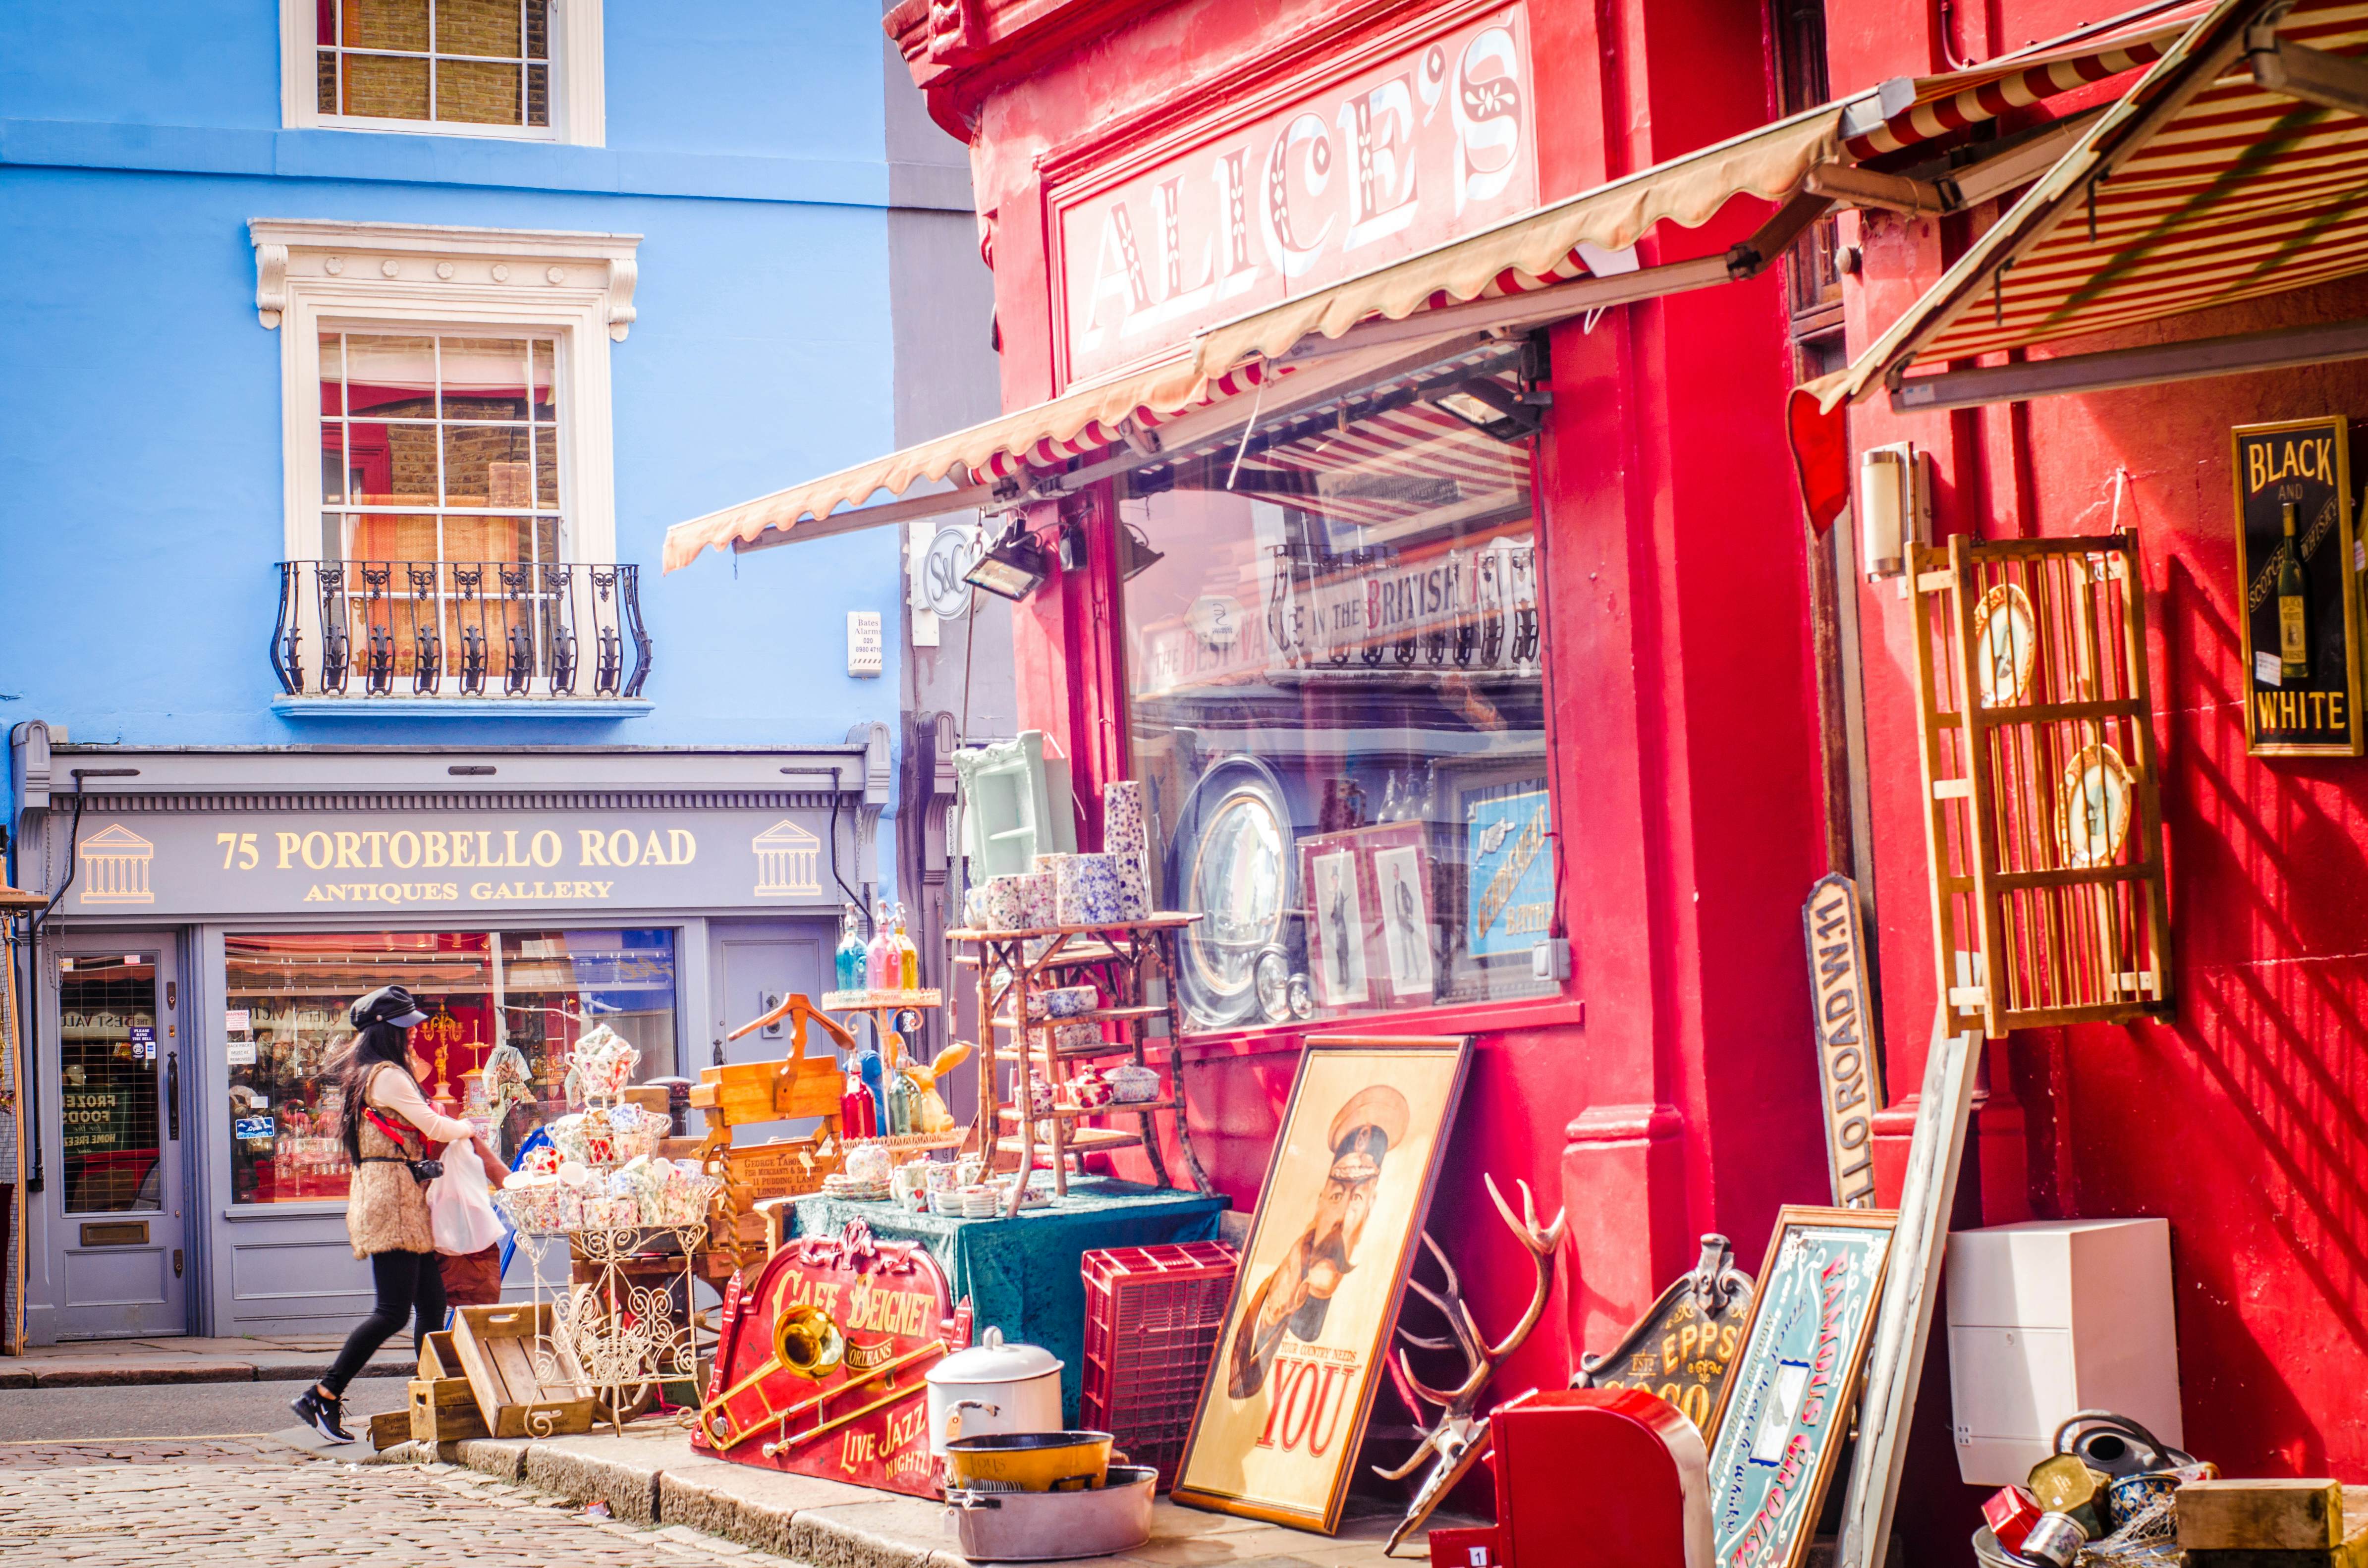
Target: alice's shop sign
200,863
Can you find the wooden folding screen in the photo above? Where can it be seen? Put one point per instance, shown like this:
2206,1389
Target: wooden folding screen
2042,808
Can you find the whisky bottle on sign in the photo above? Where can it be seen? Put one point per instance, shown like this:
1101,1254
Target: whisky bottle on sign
2294,613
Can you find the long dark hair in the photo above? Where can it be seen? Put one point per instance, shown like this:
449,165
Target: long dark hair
375,1044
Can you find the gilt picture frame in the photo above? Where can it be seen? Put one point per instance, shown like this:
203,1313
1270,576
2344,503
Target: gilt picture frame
1281,1414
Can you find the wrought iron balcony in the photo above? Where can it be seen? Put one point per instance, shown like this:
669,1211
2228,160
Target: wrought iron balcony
471,629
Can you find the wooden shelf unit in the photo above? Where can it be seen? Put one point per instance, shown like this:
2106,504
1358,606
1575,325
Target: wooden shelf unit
1134,964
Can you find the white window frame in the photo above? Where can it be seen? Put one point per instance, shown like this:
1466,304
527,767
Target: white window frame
578,99
362,277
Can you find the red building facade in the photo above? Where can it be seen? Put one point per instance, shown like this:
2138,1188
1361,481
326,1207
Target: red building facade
1668,1087
2240,1119
1710,747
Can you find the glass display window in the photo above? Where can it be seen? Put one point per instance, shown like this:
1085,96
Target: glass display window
1336,699
535,991
107,1076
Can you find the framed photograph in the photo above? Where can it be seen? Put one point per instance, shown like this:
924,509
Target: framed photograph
1337,910
1283,1413
1786,1407
2295,603
1399,872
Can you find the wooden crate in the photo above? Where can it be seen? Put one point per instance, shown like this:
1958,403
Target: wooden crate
443,1405
393,1428
444,1411
497,1346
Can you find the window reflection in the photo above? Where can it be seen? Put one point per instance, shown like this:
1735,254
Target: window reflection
1338,705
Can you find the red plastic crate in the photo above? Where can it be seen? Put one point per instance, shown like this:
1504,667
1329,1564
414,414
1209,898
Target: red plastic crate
1153,1316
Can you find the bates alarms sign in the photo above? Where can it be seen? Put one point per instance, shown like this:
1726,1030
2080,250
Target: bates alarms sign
1434,141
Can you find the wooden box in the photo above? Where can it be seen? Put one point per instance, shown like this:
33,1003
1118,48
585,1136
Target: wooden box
794,1086
388,1429
444,1411
2261,1515
741,1091
497,1345
443,1406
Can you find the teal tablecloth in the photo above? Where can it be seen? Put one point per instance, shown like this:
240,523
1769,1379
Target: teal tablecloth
1022,1274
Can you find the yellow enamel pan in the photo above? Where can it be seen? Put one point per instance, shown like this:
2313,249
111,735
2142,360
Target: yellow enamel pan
1030,1461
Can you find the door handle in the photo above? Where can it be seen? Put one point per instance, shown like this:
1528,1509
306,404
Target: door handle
173,1095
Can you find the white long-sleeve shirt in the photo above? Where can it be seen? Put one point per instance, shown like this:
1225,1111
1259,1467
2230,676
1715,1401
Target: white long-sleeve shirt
395,1092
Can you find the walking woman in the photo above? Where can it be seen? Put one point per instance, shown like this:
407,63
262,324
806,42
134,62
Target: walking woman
388,1125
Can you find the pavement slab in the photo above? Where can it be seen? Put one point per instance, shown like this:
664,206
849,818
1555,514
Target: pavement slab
252,1499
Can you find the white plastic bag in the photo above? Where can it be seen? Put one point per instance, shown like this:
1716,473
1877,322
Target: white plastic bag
461,1204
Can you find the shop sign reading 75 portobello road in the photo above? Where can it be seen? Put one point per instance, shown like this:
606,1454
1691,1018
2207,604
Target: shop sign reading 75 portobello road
316,862
1376,162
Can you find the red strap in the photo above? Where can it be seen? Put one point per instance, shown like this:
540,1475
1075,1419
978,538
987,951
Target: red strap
393,1134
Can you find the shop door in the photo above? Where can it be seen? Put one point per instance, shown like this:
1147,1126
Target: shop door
751,968
122,1108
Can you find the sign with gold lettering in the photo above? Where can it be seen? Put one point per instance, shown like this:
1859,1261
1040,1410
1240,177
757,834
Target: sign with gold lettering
822,1362
1679,1351
1841,1013
2295,568
382,862
1390,153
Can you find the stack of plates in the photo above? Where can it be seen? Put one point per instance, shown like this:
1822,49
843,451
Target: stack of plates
839,1183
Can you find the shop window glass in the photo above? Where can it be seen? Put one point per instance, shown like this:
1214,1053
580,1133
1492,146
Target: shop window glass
537,991
108,1071
1334,665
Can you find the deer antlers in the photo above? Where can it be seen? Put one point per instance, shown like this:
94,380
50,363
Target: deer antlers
1454,1441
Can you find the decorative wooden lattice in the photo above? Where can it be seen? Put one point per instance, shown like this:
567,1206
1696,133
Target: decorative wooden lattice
2042,810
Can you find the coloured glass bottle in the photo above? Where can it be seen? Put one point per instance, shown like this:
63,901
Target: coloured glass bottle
908,957
881,967
855,1109
874,1091
900,1103
849,957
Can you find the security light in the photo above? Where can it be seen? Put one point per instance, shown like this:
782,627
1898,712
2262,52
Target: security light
1014,568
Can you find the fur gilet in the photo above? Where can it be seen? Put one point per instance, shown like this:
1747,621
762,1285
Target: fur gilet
386,1211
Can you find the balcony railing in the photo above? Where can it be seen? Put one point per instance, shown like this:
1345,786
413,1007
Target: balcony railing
460,629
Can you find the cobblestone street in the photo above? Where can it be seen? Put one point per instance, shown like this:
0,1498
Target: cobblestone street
252,1501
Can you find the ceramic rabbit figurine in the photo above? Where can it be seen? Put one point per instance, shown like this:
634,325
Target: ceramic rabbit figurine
930,1114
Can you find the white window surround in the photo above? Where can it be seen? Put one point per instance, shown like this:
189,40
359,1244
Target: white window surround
578,99
311,274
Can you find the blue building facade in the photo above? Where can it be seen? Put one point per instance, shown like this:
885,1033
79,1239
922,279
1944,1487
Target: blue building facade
359,354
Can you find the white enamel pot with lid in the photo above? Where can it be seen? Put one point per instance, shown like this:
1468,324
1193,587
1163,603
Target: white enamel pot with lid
994,1387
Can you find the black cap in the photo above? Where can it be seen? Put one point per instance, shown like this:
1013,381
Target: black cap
387,1004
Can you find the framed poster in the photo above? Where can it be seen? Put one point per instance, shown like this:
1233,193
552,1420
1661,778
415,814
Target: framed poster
2295,567
1283,1410
1508,872
1794,1382
1337,910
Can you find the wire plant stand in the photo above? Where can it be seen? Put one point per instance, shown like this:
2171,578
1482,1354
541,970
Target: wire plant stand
620,1328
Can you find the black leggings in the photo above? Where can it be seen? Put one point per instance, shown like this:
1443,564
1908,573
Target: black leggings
406,1281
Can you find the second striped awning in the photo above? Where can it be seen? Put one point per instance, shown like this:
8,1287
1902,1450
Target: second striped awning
2198,188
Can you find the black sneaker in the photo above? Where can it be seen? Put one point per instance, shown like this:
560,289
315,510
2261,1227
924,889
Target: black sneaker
321,1415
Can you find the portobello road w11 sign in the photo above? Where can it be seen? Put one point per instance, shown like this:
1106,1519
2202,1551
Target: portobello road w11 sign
1433,139
1849,1080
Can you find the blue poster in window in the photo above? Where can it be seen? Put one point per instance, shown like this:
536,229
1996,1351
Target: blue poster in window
1509,901
252,1127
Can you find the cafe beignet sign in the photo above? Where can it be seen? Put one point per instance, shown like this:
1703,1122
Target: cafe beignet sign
1374,162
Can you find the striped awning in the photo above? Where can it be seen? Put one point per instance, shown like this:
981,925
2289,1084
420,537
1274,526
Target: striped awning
2198,188
1920,108
1572,255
